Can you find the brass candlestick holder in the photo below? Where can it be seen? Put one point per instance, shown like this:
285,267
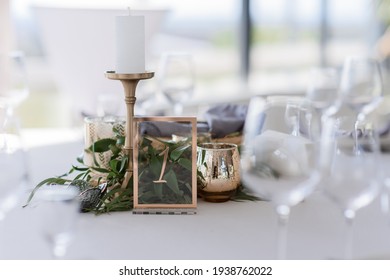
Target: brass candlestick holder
129,82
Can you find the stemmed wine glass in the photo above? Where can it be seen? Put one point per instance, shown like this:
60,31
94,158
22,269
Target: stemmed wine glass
13,81
276,165
361,85
322,89
176,79
322,93
13,161
57,208
13,171
351,179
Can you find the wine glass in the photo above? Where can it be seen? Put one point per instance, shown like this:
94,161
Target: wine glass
322,90
13,163
292,116
57,208
322,93
351,179
276,165
13,81
176,79
361,85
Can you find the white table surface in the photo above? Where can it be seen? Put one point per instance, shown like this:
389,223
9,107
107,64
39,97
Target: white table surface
230,230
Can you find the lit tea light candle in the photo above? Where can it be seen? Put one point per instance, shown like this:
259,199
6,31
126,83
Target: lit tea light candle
130,44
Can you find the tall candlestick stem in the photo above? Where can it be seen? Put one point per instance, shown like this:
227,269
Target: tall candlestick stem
129,82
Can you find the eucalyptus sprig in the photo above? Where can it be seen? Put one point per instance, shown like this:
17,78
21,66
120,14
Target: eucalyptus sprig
101,186
113,197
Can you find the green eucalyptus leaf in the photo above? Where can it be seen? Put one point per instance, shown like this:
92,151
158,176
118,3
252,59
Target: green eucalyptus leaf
158,189
114,165
114,149
168,143
186,163
124,163
78,168
102,145
172,183
155,166
80,159
176,153
101,170
48,181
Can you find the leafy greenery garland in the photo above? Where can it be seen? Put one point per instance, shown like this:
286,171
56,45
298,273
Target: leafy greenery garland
107,181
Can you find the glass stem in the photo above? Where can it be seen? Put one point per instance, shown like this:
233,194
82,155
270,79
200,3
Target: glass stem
359,118
283,217
349,218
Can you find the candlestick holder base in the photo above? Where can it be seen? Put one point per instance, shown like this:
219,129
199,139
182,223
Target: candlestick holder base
129,82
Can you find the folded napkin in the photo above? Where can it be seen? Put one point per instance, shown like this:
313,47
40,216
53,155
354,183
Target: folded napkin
226,119
221,120
167,129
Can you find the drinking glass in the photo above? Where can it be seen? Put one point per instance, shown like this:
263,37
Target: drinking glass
13,164
276,165
176,79
57,208
361,85
13,81
350,166
322,94
292,116
322,90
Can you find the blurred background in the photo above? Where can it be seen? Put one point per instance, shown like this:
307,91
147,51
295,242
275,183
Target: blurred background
239,48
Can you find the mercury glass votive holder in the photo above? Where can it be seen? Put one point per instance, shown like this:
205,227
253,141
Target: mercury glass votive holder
218,167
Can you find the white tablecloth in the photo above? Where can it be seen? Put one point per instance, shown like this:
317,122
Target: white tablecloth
230,230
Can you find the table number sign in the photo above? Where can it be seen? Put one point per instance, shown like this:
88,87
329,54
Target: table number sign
165,165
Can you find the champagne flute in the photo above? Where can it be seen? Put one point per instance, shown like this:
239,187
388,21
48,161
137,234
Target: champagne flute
176,79
351,180
276,165
57,208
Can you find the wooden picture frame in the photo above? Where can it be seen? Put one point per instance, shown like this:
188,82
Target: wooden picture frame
164,165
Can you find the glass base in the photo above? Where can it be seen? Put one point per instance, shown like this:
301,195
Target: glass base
217,196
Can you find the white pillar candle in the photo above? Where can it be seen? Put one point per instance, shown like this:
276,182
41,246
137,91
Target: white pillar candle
130,44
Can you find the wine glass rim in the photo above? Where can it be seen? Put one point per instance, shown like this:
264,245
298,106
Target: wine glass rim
217,146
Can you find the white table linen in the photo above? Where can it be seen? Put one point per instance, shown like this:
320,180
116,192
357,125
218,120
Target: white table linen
230,230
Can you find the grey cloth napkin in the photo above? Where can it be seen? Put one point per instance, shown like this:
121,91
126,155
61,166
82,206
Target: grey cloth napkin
221,120
167,129
226,119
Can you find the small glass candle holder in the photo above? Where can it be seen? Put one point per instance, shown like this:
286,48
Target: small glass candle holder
98,128
218,167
